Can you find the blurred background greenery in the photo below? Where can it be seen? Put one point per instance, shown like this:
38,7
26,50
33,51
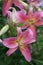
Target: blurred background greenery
17,58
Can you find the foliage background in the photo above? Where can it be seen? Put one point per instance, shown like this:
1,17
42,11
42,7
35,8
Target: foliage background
17,58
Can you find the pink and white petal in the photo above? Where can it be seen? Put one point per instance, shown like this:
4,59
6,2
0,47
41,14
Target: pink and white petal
18,4
10,51
10,42
26,53
24,36
29,36
6,6
39,23
21,16
9,13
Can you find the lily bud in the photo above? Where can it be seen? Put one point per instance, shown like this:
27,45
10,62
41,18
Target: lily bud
4,29
24,4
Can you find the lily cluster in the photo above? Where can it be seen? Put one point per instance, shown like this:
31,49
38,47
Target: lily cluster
30,21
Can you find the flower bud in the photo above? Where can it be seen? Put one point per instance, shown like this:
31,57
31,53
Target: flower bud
4,30
24,4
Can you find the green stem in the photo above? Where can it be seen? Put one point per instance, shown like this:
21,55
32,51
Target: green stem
38,46
0,8
37,61
31,63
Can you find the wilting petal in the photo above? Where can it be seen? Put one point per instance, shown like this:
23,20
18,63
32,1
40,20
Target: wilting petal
39,23
18,4
6,6
26,53
10,51
10,42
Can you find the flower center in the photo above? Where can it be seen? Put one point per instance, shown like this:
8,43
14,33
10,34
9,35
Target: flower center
19,41
31,21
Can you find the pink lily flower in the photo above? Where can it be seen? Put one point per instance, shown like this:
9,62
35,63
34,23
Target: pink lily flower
8,4
13,16
35,3
32,1
31,20
22,40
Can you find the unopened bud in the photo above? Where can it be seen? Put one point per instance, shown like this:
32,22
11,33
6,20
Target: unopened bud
4,29
24,4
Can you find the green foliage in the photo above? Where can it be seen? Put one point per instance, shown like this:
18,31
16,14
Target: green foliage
17,58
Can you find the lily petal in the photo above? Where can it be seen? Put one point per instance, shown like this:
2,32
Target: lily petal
29,36
33,29
30,12
41,13
19,30
18,4
26,25
6,6
30,48
38,14
39,23
9,13
30,1
10,42
10,51
40,4
21,15
26,53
